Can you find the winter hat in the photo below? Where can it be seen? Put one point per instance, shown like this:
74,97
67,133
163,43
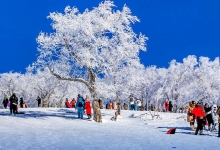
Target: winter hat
87,98
214,106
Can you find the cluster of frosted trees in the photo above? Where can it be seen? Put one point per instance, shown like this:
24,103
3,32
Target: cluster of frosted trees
52,91
193,79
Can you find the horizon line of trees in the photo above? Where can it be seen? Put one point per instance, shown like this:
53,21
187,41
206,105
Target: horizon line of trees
193,79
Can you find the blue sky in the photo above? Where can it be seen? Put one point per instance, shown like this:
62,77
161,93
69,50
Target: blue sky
176,28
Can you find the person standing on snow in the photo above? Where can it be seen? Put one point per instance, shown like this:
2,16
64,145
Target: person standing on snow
38,101
80,108
13,104
170,106
214,116
135,105
5,102
73,103
190,116
166,105
218,113
200,116
208,116
131,102
110,105
125,106
114,105
138,103
21,102
100,103
67,104
88,107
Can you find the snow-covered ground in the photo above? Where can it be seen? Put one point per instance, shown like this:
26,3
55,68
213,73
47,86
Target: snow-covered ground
59,129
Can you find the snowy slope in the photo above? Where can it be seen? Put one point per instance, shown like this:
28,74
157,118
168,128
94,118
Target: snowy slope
57,129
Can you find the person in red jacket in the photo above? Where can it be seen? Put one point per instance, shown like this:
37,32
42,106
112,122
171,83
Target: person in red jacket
200,116
88,107
166,105
67,104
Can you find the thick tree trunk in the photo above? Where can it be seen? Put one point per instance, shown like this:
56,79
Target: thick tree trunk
97,116
92,88
44,102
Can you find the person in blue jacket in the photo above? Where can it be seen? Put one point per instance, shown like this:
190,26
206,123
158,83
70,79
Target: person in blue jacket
135,106
80,106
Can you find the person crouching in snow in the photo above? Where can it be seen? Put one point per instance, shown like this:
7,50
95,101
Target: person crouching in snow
88,107
200,116
190,116
80,108
214,116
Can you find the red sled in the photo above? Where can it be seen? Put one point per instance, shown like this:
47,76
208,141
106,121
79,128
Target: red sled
171,131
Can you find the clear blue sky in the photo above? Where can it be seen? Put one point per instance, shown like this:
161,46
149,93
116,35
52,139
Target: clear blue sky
176,28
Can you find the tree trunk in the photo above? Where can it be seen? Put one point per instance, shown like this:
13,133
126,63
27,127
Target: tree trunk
97,116
44,102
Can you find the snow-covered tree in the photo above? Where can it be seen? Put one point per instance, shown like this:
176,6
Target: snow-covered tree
85,45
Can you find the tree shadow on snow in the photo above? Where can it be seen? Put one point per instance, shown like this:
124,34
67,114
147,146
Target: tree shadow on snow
59,113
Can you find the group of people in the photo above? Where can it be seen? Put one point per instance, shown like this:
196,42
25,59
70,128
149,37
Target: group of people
168,106
12,103
111,105
135,104
71,104
82,105
203,115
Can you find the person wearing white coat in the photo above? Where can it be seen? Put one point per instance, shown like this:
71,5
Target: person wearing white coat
131,102
214,116
138,102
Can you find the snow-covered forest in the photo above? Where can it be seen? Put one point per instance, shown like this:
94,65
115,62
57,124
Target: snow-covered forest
193,79
96,53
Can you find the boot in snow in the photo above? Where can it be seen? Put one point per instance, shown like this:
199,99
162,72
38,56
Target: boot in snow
201,132
192,127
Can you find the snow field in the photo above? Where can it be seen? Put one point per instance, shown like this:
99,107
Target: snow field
56,129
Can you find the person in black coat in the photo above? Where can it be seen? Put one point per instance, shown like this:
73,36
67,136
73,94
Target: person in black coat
5,102
208,115
13,104
38,101
170,106
21,102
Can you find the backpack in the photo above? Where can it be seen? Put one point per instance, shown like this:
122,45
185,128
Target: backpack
80,104
171,131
